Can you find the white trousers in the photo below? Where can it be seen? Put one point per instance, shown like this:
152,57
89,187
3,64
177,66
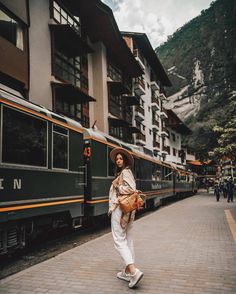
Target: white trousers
123,240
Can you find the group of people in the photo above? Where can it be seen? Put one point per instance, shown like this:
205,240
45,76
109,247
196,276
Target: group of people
226,188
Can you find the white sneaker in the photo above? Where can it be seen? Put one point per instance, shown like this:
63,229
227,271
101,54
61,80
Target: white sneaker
134,279
123,276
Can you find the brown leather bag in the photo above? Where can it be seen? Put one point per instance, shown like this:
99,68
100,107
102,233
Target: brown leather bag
130,202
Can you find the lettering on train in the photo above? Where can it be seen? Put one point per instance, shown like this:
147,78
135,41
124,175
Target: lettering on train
17,184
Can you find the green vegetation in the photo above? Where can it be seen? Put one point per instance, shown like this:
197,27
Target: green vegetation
209,38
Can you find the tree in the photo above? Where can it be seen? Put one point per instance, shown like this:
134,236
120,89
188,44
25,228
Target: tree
227,133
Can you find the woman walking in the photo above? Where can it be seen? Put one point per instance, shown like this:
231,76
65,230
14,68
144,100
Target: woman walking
122,224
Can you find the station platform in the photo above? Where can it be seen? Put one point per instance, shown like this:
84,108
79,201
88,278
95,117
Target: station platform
186,247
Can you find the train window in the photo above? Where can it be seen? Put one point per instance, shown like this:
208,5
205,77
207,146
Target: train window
24,139
156,172
60,147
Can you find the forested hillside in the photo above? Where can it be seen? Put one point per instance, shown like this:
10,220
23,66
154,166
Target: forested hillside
201,61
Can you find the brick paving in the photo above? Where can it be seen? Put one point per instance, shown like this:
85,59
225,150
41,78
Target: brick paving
186,247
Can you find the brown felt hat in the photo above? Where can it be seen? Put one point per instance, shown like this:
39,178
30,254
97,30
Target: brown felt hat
124,152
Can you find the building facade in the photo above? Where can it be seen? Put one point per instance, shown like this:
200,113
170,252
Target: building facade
55,55
149,117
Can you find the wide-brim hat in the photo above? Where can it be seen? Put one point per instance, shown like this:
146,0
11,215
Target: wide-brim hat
124,152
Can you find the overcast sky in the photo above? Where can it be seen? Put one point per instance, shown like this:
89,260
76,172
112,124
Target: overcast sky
156,18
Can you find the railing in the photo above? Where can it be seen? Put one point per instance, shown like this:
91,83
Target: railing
140,81
155,122
155,100
62,16
138,54
139,109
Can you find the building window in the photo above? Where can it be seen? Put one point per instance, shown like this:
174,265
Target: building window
116,131
114,73
11,30
60,147
30,139
72,109
68,69
63,17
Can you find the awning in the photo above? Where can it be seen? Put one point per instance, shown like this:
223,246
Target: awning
134,130
117,122
118,88
131,100
72,92
194,162
69,40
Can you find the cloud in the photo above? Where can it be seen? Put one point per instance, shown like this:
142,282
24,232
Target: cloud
156,18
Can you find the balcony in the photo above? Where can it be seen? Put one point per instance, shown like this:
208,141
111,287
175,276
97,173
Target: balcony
154,86
139,86
130,100
164,132
155,125
162,96
165,150
139,57
156,146
140,139
117,83
163,114
155,103
139,113
69,40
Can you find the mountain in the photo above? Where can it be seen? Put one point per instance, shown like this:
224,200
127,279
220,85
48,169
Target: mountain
201,61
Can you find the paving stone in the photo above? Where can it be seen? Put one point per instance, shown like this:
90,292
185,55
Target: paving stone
186,247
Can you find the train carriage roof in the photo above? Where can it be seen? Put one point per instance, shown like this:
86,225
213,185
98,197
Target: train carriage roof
13,100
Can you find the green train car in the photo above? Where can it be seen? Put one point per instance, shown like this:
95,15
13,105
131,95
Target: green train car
41,171
54,172
157,180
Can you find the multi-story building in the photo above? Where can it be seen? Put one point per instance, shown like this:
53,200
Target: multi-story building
63,61
172,143
149,116
55,55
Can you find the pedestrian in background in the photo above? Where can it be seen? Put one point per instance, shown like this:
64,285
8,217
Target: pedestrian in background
217,191
225,188
230,190
122,224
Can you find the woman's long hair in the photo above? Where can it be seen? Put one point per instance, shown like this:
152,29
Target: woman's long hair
118,170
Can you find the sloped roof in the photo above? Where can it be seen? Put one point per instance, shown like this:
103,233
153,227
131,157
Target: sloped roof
145,46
